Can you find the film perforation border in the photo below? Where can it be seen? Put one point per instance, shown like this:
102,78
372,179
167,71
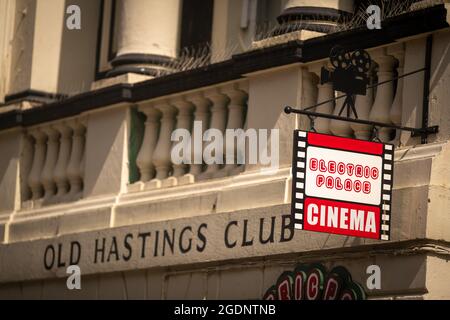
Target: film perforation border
298,176
386,192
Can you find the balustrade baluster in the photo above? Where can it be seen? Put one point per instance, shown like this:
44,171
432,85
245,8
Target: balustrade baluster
144,160
236,109
60,172
161,155
50,162
73,169
202,115
218,122
184,121
40,150
385,95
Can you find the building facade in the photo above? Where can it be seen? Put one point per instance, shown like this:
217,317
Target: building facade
91,91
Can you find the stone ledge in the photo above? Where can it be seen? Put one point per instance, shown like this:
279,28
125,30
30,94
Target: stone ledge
199,187
129,78
419,151
164,210
52,210
59,222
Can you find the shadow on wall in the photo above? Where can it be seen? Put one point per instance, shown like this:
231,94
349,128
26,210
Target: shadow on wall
79,49
104,157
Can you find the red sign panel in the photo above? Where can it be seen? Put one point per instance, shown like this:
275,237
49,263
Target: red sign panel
342,186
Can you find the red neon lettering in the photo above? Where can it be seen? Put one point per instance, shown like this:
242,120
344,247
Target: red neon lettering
283,290
322,166
341,168
367,187
331,289
299,286
359,171
357,186
339,185
313,287
330,182
367,172
313,164
320,180
347,296
348,185
375,173
350,168
332,167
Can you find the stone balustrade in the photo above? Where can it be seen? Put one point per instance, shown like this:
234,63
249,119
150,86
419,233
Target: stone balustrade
220,108
57,156
57,163
382,103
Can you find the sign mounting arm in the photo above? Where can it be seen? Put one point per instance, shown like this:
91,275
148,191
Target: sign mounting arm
414,131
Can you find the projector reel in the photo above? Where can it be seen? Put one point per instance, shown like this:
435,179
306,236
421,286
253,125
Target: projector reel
340,59
361,61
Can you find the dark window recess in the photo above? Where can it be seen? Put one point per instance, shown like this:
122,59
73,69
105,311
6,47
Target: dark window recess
112,50
196,23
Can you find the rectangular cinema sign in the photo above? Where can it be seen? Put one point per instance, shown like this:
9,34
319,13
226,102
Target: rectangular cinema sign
342,186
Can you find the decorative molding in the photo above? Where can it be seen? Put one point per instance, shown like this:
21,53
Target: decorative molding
35,96
313,13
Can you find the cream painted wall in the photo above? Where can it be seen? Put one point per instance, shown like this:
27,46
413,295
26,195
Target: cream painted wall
440,85
10,143
413,88
78,52
227,35
106,152
438,222
48,30
49,57
437,266
272,91
7,8
226,20
22,46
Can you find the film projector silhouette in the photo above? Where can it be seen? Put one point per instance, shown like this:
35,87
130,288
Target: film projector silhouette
348,76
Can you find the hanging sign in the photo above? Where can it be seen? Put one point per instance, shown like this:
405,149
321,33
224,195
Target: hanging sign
342,186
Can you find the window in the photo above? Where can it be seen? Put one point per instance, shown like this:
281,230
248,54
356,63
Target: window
106,47
196,23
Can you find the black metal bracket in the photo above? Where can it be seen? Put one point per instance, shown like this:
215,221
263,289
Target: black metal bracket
415,132
349,100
